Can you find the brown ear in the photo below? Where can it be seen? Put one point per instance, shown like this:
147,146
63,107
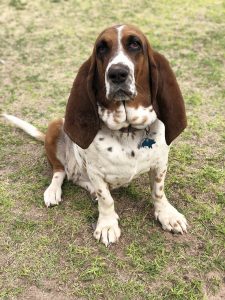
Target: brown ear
81,119
166,96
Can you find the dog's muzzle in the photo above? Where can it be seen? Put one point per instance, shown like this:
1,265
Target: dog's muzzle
119,79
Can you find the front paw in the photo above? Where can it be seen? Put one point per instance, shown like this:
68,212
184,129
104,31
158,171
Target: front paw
170,218
107,229
52,196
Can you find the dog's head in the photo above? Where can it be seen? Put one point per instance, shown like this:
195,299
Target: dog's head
123,68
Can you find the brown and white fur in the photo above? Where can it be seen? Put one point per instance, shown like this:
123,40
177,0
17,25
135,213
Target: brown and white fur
124,92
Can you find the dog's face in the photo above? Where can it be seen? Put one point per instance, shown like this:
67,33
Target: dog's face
122,65
131,84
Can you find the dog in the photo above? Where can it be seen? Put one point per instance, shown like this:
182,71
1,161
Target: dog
124,110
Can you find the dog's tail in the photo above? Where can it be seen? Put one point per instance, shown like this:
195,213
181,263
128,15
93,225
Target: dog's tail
25,126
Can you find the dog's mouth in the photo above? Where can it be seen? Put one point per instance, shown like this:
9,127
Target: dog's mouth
121,95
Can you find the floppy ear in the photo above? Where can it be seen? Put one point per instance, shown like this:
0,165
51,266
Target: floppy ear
166,96
81,119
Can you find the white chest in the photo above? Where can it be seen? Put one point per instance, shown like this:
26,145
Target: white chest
116,157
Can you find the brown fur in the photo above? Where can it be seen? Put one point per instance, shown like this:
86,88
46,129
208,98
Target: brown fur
168,102
51,139
155,82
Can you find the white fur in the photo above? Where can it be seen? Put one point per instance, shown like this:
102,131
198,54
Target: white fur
28,128
52,195
107,229
124,115
112,160
118,167
140,117
114,119
121,58
169,217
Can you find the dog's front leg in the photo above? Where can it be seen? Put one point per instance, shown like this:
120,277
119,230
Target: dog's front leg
107,228
52,195
167,215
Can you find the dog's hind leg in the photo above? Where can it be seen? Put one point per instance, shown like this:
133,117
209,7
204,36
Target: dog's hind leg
52,195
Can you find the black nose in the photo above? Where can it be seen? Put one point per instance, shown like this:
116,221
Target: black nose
118,73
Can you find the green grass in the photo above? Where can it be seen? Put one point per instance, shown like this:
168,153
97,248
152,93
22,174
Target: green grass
51,252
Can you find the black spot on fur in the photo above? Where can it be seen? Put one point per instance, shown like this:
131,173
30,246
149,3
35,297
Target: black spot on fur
109,149
132,154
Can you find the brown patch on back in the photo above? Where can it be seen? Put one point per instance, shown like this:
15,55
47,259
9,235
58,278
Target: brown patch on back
51,139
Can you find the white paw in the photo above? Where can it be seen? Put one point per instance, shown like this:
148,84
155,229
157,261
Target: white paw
107,229
170,218
52,196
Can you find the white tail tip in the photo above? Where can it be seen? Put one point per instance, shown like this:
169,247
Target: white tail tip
25,126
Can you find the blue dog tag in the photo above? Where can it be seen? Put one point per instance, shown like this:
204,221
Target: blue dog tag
146,143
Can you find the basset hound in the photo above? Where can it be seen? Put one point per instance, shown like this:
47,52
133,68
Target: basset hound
124,110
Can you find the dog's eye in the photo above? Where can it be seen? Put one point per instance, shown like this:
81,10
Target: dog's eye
134,44
102,48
